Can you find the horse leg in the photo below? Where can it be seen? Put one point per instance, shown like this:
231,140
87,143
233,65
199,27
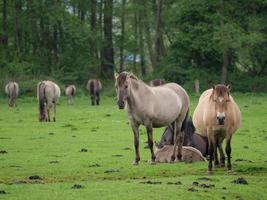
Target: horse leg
149,131
54,117
97,98
228,152
48,113
216,161
211,150
135,128
93,99
222,157
174,141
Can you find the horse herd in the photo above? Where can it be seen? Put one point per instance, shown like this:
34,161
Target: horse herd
159,104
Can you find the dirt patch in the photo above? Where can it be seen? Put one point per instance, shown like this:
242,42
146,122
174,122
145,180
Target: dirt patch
35,177
175,183
3,151
2,192
111,171
195,183
240,181
207,185
77,186
192,189
151,182
83,150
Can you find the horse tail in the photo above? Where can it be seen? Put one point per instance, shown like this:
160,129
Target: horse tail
184,122
41,97
92,87
72,91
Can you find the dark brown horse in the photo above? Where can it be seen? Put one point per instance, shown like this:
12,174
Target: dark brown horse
94,87
157,82
190,138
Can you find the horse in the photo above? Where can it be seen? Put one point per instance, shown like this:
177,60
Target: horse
191,138
189,154
157,82
94,87
70,91
12,92
48,94
152,107
217,117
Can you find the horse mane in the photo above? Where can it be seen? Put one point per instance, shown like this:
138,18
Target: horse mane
220,89
123,76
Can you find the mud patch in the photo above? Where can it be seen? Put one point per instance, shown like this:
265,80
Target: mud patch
207,185
2,192
35,177
192,189
3,151
54,162
77,186
175,183
151,182
111,171
117,155
204,179
94,165
83,150
240,181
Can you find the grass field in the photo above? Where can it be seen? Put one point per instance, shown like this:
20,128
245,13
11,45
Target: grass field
92,147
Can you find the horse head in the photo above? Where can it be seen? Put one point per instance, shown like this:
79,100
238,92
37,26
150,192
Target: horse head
220,96
122,84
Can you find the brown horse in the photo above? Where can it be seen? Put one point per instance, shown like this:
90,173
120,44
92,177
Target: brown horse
191,138
157,82
217,116
70,91
94,87
167,105
12,92
48,94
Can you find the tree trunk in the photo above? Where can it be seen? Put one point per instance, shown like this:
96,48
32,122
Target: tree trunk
4,37
141,40
122,36
16,26
225,67
159,44
148,35
135,39
108,67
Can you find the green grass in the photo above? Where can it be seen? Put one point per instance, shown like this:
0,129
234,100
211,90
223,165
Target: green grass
53,152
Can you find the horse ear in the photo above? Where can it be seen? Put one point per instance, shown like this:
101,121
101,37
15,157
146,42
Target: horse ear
116,75
213,87
229,87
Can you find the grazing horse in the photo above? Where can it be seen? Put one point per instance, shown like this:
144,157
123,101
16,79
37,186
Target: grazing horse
167,105
94,87
12,92
48,94
191,138
217,116
70,91
157,82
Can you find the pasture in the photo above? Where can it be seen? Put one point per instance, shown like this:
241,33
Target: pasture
88,154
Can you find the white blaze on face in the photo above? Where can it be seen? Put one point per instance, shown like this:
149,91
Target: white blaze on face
220,115
220,99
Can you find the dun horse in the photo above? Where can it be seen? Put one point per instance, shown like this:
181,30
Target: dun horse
48,94
157,82
70,91
217,116
12,92
152,107
191,138
94,87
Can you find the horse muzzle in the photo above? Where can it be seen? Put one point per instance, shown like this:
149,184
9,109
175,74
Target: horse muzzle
221,120
121,104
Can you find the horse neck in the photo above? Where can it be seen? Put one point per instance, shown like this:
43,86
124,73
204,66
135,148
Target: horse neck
137,90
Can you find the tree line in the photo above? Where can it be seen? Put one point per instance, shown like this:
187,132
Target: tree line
180,41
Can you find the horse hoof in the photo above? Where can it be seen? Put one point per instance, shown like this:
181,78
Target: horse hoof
209,173
135,163
152,162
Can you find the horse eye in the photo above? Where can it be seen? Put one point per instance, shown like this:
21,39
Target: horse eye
126,86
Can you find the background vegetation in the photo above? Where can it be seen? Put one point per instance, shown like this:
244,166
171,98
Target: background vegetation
72,40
